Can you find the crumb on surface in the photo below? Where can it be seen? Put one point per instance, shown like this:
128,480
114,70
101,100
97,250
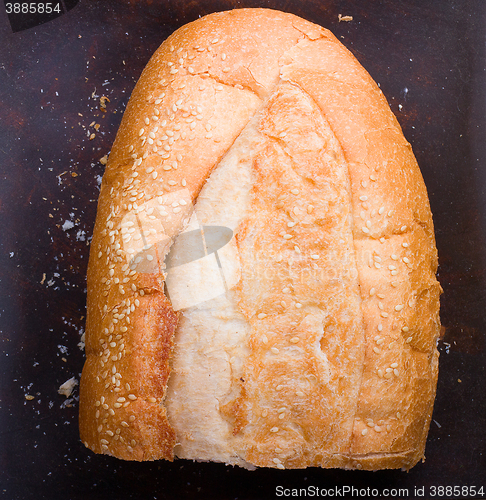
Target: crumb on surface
67,388
344,18
67,225
103,100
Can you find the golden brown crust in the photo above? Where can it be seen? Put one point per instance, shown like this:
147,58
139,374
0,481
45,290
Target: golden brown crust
321,117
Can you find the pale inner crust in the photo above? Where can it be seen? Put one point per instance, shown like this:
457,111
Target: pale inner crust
283,347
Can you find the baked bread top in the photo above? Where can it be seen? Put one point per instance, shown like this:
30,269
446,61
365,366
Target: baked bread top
322,350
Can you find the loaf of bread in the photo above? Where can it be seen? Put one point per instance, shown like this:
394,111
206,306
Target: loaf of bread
261,283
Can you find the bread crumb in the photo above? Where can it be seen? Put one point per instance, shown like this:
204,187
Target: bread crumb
67,225
67,388
344,18
104,160
103,100
43,278
28,397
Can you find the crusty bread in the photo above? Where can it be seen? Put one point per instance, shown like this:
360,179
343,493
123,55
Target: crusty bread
320,349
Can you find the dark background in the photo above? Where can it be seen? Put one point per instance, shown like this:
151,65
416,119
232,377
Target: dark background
428,57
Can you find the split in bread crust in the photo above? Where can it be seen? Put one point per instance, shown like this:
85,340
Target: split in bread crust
321,348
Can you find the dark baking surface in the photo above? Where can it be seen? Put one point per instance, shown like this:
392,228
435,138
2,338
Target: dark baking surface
428,57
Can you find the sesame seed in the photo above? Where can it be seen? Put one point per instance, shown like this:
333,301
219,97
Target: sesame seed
399,307
310,208
274,350
384,315
403,228
140,133
381,210
363,198
408,340
315,256
300,394
406,260
264,413
287,236
364,432
377,428
394,272
274,429
262,316
294,340
394,257
380,327
377,351
279,387
372,291
365,230
380,373
405,245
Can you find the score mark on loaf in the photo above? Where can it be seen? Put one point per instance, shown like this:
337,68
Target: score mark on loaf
303,331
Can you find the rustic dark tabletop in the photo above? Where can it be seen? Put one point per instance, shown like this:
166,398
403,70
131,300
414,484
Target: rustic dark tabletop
428,57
